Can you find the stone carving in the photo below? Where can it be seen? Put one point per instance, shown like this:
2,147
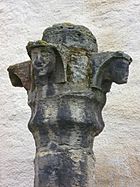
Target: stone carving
110,67
66,81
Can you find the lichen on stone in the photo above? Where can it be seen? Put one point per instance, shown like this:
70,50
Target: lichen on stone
34,44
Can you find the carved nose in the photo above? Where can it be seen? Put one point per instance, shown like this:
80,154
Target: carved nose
130,60
39,61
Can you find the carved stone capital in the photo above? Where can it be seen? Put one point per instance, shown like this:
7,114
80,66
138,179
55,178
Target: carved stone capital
66,81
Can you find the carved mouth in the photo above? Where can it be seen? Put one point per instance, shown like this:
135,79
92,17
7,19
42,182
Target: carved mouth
124,80
43,71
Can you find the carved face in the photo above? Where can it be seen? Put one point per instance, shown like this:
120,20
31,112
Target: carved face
120,71
43,60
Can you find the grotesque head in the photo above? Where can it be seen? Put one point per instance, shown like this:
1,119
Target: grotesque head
43,60
119,68
110,67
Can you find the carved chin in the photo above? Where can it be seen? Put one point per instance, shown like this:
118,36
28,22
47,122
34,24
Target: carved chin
125,79
122,81
43,72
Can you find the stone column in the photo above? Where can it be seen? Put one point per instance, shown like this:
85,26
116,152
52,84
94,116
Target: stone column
66,81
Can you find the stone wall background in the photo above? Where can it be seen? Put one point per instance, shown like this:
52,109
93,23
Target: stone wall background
116,24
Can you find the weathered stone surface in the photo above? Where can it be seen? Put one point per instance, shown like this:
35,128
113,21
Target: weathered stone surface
20,74
67,90
71,36
110,67
116,25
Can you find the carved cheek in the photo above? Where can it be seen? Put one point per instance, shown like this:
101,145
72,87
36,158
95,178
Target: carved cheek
120,69
125,73
122,75
125,70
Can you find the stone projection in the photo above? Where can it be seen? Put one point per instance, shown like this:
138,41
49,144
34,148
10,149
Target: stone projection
66,81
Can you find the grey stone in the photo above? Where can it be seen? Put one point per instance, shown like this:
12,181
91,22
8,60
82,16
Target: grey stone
66,82
71,36
110,67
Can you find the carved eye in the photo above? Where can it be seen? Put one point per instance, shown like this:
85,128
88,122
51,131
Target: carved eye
121,65
35,53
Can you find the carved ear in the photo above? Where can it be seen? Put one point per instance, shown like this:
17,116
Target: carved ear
20,74
60,76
